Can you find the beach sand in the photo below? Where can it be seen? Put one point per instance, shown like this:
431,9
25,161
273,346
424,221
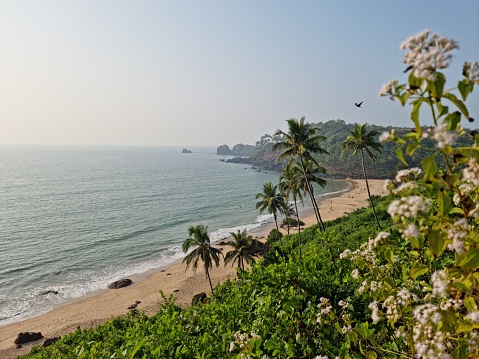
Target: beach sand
174,279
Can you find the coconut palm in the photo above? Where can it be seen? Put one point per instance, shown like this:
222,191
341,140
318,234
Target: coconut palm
290,184
360,141
203,252
271,200
244,249
301,141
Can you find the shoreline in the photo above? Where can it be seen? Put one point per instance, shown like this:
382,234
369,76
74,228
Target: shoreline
173,279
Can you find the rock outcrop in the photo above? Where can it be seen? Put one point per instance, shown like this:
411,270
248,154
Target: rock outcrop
120,283
27,337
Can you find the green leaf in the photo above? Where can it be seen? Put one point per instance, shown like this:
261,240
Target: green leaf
415,116
436,243
470,304
448,321
442,110
444,203
411,148
464,328
471,260
389,255
414,82
400,155
371,355
418,270
460,105
430,168
436,87
452,120
417,242
465,88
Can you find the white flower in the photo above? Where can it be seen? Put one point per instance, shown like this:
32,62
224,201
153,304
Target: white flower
355,273
342,303
373,306
232,346
387,89
473,317
411,231
456,199
408,174
346,329
466,188
439,283
442,136
408,207
471,172
321,357
405,189
427,54
458,232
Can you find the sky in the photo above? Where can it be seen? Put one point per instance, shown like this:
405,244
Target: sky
209,72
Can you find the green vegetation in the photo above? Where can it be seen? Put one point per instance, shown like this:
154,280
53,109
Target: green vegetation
346,291
275,304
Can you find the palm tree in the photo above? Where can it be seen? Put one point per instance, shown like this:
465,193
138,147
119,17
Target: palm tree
270,200
361,140
290,183
203,251
244,249
302,141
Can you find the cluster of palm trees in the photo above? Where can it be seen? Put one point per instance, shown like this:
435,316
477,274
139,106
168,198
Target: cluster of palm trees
243,249
298,146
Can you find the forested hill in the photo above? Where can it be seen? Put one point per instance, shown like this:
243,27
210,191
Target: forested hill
348,166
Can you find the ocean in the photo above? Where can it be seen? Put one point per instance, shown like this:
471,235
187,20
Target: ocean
74,219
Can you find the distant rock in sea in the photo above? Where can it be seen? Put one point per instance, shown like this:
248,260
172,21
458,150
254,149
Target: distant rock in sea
185,150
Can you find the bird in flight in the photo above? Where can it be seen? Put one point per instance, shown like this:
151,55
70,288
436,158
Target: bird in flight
358,104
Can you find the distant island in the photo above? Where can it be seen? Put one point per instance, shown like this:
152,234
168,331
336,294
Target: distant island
185,150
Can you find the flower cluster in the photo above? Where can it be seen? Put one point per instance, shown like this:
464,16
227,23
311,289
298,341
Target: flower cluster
471,172
441,135
242,341
387,90
458,232
408,207
471,72
427,53
325,309
430,342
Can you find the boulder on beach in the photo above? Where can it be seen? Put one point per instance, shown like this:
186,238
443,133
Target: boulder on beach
50,341
120,283
200,297
27,337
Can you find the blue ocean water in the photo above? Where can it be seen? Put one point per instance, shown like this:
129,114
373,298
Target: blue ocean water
73,219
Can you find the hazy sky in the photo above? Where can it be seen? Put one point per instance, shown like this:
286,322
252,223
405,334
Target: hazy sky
201,72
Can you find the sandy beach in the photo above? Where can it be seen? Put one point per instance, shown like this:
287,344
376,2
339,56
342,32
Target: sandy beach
175,279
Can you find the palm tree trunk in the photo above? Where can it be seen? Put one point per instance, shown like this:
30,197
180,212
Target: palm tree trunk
209,279
299,227
367,187
277,228
311,196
